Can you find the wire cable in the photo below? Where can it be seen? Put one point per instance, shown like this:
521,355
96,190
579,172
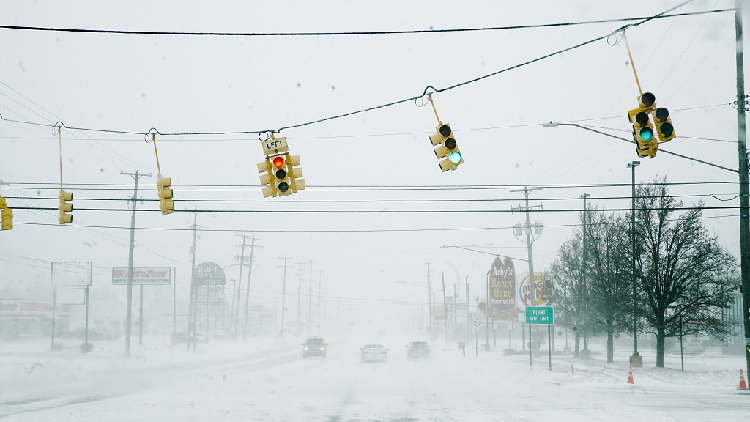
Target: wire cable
368,109
307,34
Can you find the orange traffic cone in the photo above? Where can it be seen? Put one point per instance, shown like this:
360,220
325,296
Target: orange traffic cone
743,385
630,376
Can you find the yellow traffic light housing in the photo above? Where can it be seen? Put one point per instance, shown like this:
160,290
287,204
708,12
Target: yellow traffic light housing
6,219
664,128
295,174
265,178
279,177
6,215
447,149
166,203
65,207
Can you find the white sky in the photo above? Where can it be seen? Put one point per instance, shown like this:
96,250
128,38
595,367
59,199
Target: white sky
190,83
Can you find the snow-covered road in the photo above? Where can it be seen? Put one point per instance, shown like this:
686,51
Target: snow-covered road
273,383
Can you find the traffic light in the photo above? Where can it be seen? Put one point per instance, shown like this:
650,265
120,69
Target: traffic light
166,203
6,219
265,179
295,174
447,151
6,215
664,128
280,179
276,177
65,207
643,133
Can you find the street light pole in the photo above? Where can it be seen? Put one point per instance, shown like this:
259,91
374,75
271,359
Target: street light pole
743,176
636,359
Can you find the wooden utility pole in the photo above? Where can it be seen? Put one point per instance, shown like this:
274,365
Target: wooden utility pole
283,292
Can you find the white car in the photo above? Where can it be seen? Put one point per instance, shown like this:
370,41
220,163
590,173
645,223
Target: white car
692,346
373,353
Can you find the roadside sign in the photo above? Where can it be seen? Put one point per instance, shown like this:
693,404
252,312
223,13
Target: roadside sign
540,315
142,275
502,324
274,146
477,322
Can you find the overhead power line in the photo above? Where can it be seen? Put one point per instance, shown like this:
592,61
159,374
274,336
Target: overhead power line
429,90
365,201
338,33
389,211
307,231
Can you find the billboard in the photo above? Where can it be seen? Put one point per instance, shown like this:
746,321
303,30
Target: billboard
502,288
542,287
209,273
32,309
71,274
142,275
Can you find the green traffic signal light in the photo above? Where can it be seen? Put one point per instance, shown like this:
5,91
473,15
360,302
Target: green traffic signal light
455,157
646,133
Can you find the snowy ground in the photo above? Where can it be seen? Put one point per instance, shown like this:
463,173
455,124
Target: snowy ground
266,380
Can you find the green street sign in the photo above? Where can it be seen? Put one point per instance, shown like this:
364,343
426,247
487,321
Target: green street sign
540,315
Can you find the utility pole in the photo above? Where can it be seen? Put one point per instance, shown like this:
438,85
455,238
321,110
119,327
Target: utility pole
320,314
140,316
129,314
309,303
636,359
283,293
429,302
174,299
193,294
529,240
743,173
487,313
583,274
247,290
299,295
445,308
236,309
468,314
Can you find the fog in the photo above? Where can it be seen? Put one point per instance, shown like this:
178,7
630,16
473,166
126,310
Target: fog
381,244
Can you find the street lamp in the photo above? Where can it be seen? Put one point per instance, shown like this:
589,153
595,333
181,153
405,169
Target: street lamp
636,359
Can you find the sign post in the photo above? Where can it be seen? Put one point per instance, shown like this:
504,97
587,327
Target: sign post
541,315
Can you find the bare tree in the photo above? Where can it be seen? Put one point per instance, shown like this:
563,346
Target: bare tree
568,290
609,272
682,270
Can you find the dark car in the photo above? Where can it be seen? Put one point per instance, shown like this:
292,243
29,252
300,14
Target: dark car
178,338
314,346
418,350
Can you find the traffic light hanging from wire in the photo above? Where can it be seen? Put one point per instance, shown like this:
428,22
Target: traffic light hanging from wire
664,128
444,144
280,177
647,135
66,207
447,149
6,215
166,203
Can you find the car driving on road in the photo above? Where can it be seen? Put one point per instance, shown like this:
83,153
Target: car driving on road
373,353
314,346
418,350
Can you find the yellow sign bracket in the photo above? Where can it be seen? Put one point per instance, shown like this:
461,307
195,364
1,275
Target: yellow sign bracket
637,82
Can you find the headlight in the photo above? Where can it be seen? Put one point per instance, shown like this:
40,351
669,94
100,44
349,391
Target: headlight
322,348
305,348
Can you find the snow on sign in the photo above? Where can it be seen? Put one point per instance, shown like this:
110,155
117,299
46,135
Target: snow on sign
540,315
142,275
